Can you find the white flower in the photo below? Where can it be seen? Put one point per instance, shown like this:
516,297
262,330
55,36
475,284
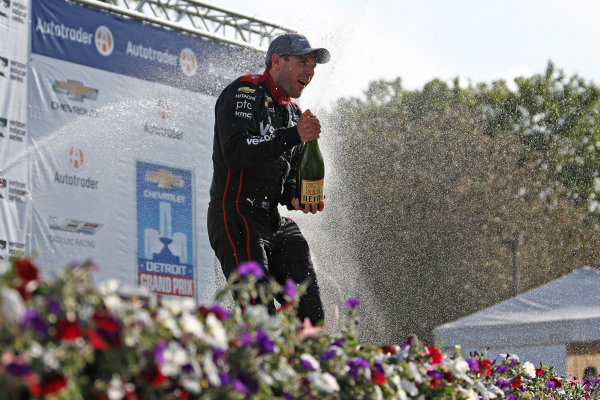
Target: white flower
266,378
164,316
260,315
216,335
108,287
284,371
191,385
467,394
324,382
116,390
191,324
484,392
210,369
174,358
12,307
413,370
529,369
400,393
307,358
410,387
459,368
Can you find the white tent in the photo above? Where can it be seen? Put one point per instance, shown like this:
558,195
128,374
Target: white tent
536,325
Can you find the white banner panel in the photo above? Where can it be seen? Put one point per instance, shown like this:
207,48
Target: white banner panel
121,128
15,200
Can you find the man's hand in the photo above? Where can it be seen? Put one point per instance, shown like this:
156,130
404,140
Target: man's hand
308,207
309,127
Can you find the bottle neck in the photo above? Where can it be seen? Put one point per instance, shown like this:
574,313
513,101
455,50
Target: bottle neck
313,144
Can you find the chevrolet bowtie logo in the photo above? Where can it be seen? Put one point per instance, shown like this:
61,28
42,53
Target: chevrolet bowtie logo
164,179
75,90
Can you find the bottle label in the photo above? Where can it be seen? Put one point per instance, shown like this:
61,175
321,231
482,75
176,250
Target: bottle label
311,191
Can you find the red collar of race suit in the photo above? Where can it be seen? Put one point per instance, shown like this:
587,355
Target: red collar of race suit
275,92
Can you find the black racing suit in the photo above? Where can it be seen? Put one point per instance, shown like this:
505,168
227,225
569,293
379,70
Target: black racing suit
255,150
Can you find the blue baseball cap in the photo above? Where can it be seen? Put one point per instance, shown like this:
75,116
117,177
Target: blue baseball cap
294,44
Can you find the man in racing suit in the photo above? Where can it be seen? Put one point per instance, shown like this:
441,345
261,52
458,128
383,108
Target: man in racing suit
258,135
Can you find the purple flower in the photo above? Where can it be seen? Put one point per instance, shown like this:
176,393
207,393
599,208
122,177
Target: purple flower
551,384
251,268
502,369
307,364
220,312
225,378
246,339
239,386
287,396
512,362
435,374
159,352
328,355
265,344
503,384
473,364
18,370
33,319
511,396
355,365
290,289
187,369
352,303
54,307
218,354
339,342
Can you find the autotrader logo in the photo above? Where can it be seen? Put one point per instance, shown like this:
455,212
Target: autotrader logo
105,41
163,109
187,61
75,90
76,158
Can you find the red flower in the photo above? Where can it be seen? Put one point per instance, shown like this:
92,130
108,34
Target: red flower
449,377
377,377
96,340
557,383
436,355
388,349
50,384
153,376
105,322
435,382
485,367
539,372
181,394
68,330
516,382
27,271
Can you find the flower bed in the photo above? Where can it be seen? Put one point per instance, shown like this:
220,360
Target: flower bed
69,339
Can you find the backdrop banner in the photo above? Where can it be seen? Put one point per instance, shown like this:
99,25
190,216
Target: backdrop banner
15,199
106,127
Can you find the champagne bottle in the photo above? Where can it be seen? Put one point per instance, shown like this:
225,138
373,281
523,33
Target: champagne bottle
310,174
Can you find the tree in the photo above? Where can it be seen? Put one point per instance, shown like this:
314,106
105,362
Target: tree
433,183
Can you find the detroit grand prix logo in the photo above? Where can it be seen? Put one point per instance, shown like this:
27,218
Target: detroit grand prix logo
105,41
187,62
